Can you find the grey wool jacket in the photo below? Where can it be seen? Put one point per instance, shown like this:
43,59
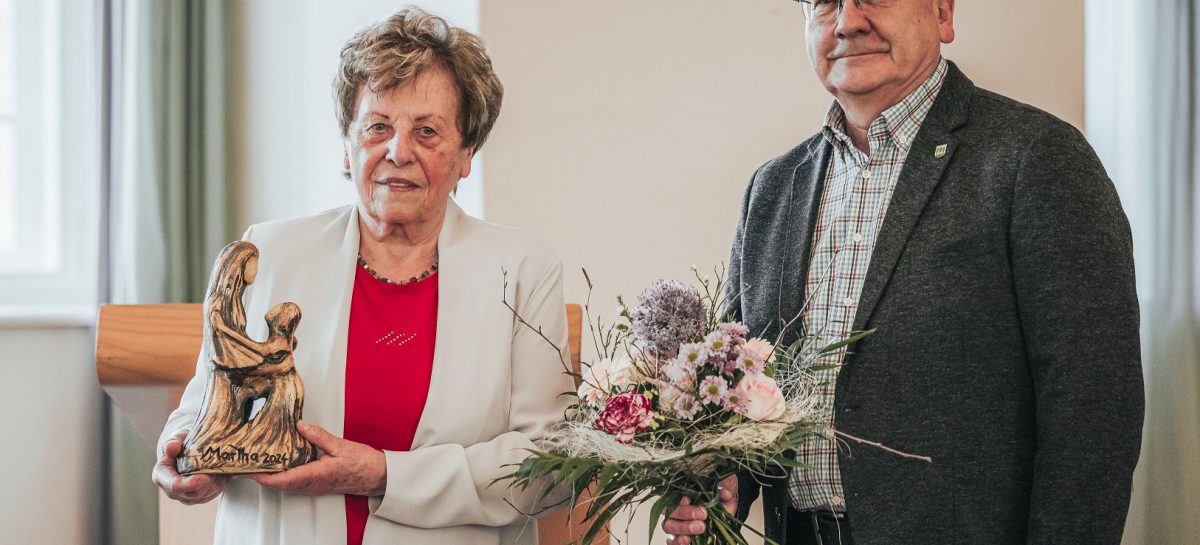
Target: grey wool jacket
1006,348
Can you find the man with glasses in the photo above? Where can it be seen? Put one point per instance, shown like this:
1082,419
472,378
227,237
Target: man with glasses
983,241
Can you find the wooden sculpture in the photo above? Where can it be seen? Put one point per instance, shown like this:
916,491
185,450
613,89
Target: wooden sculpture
254,396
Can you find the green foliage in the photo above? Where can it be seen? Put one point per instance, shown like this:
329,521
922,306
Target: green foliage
618,485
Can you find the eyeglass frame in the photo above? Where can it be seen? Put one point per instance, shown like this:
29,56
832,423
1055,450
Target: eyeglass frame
807,7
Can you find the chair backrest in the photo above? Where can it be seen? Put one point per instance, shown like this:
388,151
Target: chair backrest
158,344
146,354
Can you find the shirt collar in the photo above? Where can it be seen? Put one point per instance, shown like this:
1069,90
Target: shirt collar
898,124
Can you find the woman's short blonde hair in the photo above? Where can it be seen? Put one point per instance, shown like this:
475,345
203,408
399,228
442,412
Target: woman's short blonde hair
394,51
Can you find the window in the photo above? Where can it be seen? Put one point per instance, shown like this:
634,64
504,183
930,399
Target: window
49,149
8,228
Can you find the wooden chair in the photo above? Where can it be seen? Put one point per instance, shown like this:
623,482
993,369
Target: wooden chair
146,354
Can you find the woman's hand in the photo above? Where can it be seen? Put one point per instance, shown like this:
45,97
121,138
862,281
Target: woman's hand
190,489
688,520
345,467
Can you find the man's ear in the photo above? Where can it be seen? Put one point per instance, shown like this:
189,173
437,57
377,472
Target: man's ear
945,18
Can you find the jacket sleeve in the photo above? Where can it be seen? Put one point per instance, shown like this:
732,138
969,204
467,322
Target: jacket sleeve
733,280
181,420
748,487
1071,253
450,484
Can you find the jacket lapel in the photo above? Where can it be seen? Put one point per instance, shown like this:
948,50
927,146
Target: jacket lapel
931,152
454,277
804,200
325,382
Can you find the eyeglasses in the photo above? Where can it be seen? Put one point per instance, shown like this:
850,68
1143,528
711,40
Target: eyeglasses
820,9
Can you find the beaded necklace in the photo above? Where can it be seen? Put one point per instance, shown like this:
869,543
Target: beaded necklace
414,279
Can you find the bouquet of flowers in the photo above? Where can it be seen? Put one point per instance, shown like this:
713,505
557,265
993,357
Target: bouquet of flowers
680,398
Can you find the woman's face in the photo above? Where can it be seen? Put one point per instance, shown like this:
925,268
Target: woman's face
404,150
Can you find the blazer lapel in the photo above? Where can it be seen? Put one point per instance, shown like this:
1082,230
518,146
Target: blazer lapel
329,294
931,152
454,275
804,200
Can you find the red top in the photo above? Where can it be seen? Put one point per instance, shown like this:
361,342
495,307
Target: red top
389,359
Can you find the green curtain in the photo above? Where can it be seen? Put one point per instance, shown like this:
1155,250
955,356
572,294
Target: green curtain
1167,481
169,200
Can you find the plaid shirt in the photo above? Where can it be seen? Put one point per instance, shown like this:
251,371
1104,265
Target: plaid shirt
857,190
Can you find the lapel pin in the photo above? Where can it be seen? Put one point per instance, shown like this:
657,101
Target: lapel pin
940,151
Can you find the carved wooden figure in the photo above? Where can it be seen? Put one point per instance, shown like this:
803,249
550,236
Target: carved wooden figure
254,396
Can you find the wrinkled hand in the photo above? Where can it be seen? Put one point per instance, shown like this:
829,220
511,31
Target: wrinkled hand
346,467
688,520
190,489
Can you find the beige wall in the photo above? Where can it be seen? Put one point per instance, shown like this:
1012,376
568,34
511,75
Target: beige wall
1030,50
630,128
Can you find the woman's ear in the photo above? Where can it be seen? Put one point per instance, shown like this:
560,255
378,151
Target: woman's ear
465,169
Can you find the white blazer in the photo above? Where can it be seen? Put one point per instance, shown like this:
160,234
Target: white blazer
493,392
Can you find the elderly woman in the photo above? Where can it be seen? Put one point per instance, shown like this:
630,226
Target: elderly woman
415,395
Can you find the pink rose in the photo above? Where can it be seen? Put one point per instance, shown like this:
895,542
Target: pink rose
626,414
763,400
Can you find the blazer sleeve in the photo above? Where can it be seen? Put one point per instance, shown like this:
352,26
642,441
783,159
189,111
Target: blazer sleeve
1071,253
451,484
733,280
748,487
181,420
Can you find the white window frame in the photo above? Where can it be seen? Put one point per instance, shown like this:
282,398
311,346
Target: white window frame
56,163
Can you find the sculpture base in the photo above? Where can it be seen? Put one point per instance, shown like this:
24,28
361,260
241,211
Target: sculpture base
237,460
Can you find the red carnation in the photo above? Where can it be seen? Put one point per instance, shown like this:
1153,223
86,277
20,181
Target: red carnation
626,414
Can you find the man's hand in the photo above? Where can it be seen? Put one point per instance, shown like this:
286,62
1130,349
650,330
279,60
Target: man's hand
190,490
345,467
688,520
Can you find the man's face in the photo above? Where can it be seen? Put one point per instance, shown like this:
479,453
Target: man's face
879,50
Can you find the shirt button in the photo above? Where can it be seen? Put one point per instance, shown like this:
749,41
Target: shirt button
902,139
838,502
848,302
866,174
858,237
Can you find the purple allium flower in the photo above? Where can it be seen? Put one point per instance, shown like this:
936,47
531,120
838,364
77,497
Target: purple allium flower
686,407
736,330
713,389
668,314
692,355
